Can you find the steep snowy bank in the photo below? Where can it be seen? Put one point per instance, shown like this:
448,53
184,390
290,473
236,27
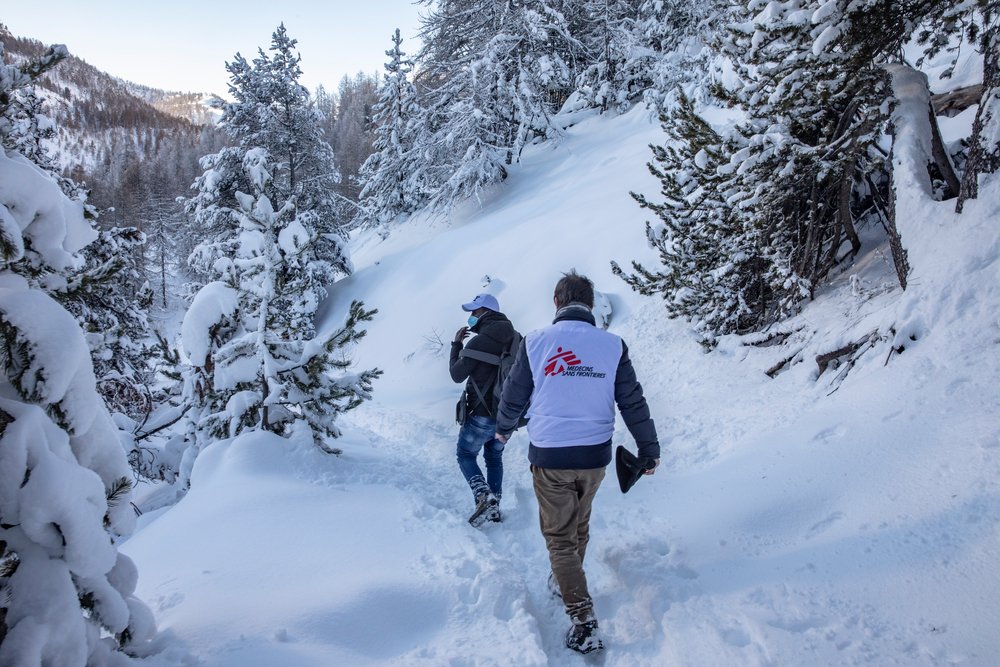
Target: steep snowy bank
786,526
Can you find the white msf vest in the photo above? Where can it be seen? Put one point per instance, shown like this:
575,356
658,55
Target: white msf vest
573,366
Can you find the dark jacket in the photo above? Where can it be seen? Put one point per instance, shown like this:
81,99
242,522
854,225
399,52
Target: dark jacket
493,334
628,396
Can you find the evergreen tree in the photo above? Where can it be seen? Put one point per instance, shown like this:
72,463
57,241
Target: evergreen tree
392,176
784,183
256,360
937,26
984,157
494,75
608,31
326,106
675,46
788,189
111,297
353,133
875,32
712,274
273,111
66,594
163,222
634,49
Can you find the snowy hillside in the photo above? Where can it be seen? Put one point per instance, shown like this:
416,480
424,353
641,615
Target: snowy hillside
93,110
790,524
197,108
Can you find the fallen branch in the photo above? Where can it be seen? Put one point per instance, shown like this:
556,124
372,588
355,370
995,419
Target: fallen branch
774,338
956,101
774,370
824,360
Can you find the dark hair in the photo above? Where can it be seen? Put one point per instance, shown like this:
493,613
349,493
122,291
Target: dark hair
574,288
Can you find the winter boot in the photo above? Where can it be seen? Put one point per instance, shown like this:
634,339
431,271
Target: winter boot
487,509
583,637
493,514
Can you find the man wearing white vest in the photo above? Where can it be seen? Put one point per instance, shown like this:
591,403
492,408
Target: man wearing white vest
569,376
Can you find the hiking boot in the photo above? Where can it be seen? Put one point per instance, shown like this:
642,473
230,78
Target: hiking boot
554,586
583,637
487,509
493,514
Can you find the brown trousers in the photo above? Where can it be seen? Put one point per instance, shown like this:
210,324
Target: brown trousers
564,501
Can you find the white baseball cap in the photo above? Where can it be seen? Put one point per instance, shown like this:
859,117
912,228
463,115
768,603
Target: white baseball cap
487,301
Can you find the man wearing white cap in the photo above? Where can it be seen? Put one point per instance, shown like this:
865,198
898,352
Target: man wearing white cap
477,364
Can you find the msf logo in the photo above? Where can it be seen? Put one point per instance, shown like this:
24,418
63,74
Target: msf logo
560,362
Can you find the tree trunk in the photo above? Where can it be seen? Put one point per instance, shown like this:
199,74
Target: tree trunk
955,102
843,214
844,209
812,233
984,151
264,408
163,274
900,260
941,157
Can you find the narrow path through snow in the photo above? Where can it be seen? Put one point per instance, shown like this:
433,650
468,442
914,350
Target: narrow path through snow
501,612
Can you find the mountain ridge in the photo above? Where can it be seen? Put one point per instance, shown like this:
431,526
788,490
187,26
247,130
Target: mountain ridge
96,111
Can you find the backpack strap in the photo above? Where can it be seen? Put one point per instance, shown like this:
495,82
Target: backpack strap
487,358
478,355
481,398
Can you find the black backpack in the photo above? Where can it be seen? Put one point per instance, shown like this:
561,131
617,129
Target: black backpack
504,362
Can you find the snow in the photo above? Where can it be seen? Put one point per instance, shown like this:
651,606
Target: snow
911,149
794,521
255,165
64,494
212,303
293,237
829,34
60,365
32,206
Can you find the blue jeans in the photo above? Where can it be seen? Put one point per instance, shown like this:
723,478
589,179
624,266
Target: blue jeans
477,433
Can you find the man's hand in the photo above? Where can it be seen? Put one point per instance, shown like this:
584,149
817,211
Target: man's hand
650,471
461,334
501,438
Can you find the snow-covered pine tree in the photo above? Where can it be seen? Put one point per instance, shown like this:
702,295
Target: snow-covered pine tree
326,104
634,49
984,157
674,44
711,274
805,168
163,222
873,32
256,360
809,160
494,74
108,293
66,594
273,110
608,34
942,26
294,136
392,176
353,133
796,177
111,296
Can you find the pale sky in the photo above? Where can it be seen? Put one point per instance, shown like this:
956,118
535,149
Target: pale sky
183,45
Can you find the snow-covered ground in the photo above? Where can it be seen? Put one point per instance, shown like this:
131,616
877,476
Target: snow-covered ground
794,521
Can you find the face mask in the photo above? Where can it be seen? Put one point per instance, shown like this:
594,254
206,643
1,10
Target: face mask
473,320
